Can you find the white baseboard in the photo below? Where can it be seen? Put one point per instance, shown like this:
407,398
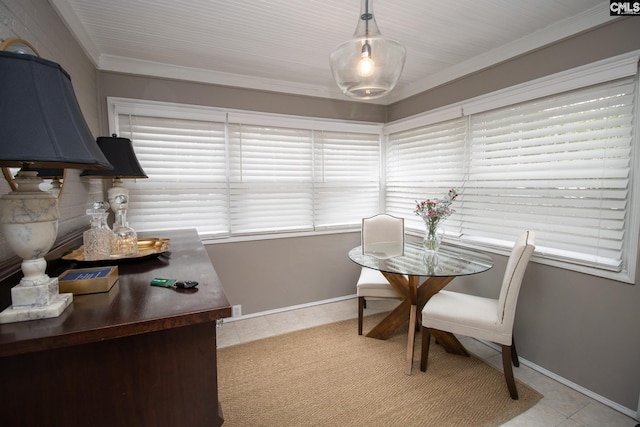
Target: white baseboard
292,307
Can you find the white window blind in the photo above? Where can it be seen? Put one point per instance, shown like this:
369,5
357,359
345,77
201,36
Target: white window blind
242,174
424,163
346,178
270,179
559,165
186,164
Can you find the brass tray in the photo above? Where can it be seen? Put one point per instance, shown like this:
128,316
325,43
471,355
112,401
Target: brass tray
148,247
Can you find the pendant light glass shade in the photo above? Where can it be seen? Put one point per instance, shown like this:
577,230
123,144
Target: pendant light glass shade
368,66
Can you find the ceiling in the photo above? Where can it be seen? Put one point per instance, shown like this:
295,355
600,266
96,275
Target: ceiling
284,45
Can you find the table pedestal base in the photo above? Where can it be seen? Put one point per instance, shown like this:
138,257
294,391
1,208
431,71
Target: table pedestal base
409,310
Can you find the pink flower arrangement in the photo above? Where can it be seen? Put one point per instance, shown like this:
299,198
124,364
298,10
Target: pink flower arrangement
434,211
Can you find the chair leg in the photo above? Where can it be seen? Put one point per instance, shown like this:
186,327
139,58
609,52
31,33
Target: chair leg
426,340
361,307
514,353
508,371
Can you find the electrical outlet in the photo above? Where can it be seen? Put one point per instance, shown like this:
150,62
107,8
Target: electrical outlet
236,311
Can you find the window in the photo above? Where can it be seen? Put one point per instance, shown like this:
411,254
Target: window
424,163
270,179
555,155
560,165
186,166
229,173
346,178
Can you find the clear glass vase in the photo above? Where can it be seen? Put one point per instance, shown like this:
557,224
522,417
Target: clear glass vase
432,237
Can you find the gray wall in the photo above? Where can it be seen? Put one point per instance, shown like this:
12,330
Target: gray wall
267,274
582,328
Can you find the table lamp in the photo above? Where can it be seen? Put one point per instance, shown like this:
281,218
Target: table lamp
41,126
55,175
119,151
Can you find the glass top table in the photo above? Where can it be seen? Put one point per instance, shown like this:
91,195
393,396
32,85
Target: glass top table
414,261
404,266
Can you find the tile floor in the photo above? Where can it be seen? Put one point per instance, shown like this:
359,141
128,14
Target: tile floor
560,406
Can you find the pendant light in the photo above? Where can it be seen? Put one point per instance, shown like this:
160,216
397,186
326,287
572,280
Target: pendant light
368,66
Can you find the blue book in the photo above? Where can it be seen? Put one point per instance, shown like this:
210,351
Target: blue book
84,275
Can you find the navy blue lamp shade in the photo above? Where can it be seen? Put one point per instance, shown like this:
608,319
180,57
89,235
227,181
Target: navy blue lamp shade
41,123
119,152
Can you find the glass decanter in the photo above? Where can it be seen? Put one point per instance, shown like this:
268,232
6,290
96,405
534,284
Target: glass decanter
125,242
98,239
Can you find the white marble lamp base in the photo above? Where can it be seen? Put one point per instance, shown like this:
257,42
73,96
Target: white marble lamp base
49,303
29,219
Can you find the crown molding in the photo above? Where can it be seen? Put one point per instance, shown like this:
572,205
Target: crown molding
69,17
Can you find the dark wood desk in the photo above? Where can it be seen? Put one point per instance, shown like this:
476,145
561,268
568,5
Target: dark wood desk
135,356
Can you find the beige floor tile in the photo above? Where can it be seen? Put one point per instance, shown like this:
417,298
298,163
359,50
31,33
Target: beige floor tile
287,321
569,423
540,415
496,360
227,335
525,373
346,307
598,415
253,328
315,316
477,348
560,397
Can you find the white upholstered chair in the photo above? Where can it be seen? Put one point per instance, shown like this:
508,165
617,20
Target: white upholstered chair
382,236
482,318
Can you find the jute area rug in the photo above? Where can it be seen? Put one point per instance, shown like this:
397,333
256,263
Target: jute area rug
330,376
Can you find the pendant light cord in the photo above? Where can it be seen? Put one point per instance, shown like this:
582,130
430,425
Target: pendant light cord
366,18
